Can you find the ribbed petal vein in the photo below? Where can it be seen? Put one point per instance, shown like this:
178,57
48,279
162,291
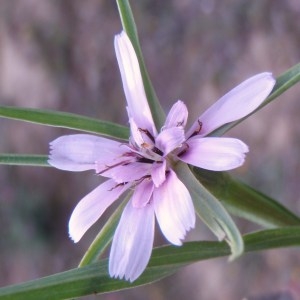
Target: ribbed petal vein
177,116
132,243
138,107
127,173
79,152
170,139
142,194
158,173
216,154
92,206
174,209
236,104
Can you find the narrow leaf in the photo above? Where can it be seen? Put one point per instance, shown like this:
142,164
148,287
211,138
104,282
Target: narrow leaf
79,282
165,260
65,120
243,201
33,160
211,211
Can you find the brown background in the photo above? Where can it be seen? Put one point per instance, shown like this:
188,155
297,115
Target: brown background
59,55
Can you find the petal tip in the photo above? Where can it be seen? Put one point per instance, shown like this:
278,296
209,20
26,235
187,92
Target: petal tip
73,239
269,76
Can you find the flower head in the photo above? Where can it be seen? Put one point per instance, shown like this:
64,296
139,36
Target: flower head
146,164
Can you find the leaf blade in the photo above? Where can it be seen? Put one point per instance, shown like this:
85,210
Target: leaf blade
254,206
211,211
65,120
164,261
33,160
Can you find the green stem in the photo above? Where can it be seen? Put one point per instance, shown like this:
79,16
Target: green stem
65,120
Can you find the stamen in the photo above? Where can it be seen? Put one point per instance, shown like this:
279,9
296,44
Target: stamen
148,134
198,129
138,181
144,160
157,151
147,146
122,163
186,145
117,185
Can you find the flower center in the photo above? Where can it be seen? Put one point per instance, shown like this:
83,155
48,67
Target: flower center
148,149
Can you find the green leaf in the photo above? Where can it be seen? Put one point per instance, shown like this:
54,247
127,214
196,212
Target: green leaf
33,160
211,211
88,280
165,260
129,26
243,201
104,237
65,120
272,239
283,83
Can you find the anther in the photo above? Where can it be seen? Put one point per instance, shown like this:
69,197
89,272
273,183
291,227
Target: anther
197,131
157,151
148,134
117,185
186,147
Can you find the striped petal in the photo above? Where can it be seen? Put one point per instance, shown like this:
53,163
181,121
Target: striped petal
177,115
142,194
214,153
158,172
236,104
138,138
170,139
79,152
138,107
92,206
132,243
174,209
129,172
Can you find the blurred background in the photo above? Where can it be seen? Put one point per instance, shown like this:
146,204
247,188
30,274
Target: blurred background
59,55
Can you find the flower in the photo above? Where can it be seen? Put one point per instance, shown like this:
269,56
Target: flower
146,163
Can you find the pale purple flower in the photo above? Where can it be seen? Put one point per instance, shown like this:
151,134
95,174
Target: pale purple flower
145,165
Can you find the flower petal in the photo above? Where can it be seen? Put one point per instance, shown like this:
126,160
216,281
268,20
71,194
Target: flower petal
79,152
174,209
236,104
138,107
177,115
214,153
142,193
129,172
158,172
132,243
92,206
138,138
170,139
